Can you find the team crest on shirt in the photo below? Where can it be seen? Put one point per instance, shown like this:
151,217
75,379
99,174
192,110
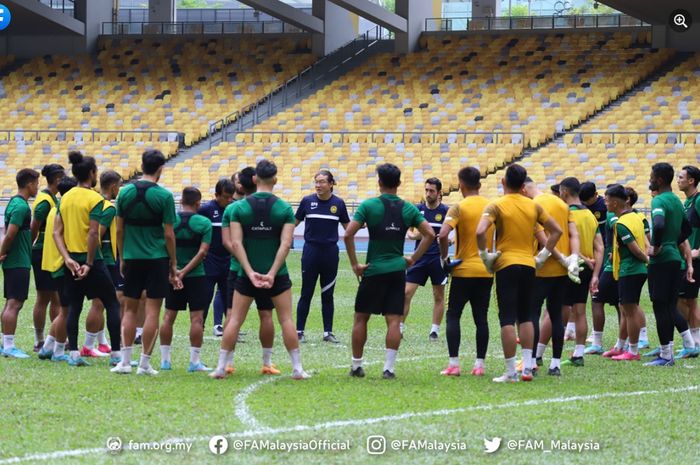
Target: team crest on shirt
597,215
334,209
438,217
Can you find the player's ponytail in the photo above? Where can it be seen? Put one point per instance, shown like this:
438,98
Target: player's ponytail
81,166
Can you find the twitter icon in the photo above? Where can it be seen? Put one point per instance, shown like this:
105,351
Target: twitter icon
491,446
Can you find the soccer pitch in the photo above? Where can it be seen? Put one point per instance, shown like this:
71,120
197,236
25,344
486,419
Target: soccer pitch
618,412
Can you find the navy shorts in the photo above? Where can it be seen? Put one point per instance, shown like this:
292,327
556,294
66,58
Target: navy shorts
427,267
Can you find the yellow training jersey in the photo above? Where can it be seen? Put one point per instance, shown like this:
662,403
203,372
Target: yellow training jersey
515,217
559,211
77,208
587,227
464,218
51,258
42,196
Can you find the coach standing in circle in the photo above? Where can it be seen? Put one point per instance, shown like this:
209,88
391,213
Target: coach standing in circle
321,213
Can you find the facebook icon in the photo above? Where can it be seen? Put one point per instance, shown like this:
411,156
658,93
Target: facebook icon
5,17
218,445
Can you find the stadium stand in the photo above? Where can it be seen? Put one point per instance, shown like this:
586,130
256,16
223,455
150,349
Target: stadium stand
657,123
123,156
352,159
537,84
533,85
139,84
149,84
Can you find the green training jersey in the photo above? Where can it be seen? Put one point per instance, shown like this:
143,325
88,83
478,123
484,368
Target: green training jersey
262,216
629,264
692,212
385,252
226,223
18,213
145,208
191,230
106,220
668,205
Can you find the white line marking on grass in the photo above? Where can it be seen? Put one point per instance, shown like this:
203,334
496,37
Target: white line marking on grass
365,421
242,410
248,419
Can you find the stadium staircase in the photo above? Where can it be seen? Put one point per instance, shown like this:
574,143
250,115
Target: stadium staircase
667,67
316,77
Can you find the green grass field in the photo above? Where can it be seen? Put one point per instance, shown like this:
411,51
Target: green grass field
54,413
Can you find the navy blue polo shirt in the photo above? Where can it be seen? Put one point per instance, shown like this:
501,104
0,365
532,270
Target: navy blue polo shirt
321,218
435,217
600,212
218,259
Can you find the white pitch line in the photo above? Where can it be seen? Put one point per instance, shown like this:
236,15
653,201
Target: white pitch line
365,421
242,410
248,419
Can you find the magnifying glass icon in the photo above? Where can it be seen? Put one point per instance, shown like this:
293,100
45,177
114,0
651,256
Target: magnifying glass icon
679,20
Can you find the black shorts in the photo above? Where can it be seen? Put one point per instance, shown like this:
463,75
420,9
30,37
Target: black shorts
192,294
630,288
475,291
514,287
16,282
662,286
261,302
245,287
59,282
550,293
578,293
689,290
117,278
607,290
42,279
427,267
96,285
381,294
153,276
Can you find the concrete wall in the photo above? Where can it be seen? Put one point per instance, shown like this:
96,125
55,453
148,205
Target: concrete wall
340,27
682,41
484,8
415,12
163,11
93,13
25,47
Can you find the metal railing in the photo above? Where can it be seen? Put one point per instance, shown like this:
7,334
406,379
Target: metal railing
87,134
204,27
415,137
296,86
505,23
185,15
65,6
615,137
